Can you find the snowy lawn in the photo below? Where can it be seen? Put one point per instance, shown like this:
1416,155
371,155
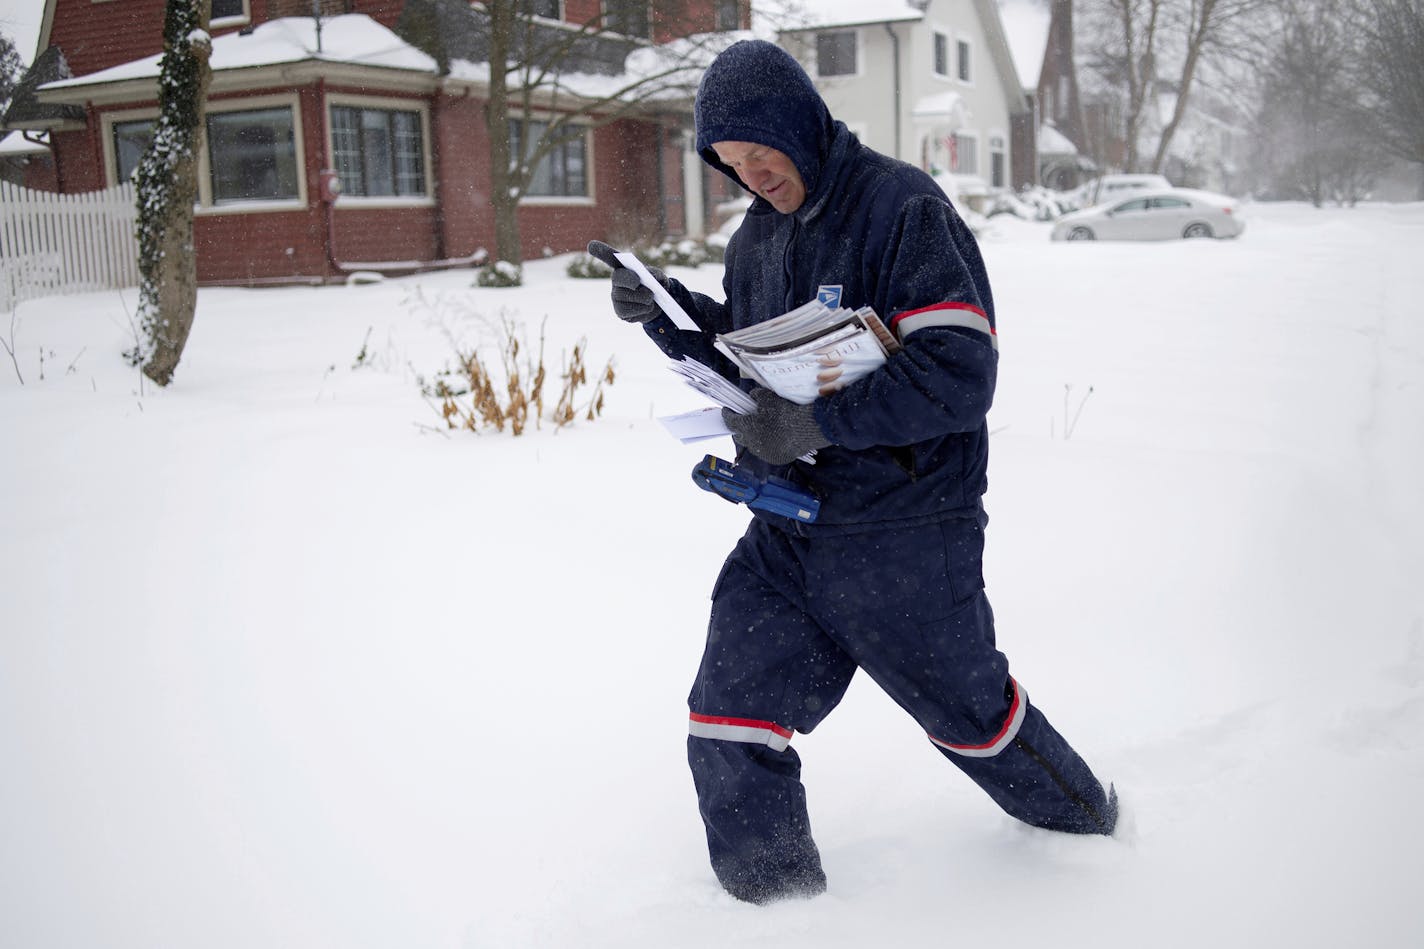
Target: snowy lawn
284,663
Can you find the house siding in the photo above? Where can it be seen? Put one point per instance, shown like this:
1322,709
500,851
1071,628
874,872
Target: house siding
462,150
636,166
869,101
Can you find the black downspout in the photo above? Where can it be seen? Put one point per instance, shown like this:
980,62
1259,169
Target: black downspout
895,61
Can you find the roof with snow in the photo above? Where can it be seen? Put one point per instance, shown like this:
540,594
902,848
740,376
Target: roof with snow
16,144
1053,142
354,39
941,105
666,73
1026,25
826,13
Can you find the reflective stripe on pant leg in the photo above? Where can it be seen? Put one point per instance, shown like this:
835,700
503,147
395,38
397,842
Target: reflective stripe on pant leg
1012,723
747,730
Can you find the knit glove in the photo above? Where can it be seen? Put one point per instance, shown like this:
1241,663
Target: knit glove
632,301
779,431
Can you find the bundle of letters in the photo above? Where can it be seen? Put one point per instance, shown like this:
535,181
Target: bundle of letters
789,353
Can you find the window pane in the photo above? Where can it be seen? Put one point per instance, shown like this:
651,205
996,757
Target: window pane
409,153
729,15
835,54
629,17
548,9
130,142
253,155
346,148
963,60
228,8
966,154
941,54
379,178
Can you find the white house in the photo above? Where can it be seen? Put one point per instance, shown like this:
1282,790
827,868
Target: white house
931,82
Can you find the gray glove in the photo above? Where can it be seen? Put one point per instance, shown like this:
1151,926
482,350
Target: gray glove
631,300
779,431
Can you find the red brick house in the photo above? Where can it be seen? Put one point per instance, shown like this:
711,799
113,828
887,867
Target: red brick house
296,101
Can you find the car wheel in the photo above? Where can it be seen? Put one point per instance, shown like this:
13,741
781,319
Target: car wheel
1081,234
1197,230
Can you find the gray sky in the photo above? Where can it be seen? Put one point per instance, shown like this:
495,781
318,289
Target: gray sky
20,20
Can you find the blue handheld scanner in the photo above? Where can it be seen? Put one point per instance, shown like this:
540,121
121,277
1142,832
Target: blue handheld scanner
773,495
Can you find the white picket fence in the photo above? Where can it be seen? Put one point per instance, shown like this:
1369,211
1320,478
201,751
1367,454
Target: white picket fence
65,243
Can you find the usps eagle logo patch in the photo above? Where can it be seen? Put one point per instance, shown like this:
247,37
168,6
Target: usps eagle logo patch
829,294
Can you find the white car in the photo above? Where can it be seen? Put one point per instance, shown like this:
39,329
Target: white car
1111,187
1156,215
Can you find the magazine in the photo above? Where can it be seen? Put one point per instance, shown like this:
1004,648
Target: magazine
789,353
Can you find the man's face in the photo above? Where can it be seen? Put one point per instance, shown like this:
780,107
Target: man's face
766,171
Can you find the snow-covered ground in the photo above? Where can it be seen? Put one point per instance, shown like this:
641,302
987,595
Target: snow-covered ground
282,663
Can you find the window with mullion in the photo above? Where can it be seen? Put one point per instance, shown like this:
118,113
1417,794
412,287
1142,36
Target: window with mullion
228,10
378,152
563,172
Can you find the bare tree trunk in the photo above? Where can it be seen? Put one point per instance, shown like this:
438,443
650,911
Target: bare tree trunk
1134,63
1200,29
1212,26
167,189
505,198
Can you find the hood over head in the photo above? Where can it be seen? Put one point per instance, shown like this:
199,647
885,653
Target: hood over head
755,91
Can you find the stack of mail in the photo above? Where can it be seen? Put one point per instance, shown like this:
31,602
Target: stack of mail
791,354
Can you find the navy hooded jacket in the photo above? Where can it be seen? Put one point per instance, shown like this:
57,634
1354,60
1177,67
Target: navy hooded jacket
909,441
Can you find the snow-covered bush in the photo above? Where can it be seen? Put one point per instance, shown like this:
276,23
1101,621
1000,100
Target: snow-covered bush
586,267
501,273
1034,204
683,253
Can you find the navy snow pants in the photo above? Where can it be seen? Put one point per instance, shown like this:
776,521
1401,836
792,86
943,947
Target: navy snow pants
793,617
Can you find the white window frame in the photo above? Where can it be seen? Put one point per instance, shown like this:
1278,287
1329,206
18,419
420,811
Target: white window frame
205,204
998,145
106,124
384,104
261,205
964,49
565,200
237,19
938,37
859,53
